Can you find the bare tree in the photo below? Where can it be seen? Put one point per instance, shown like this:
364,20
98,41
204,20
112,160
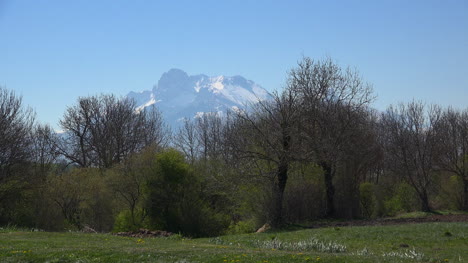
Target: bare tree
129,182
267,139
16,125
331,98
154,130
103,130
209,128
75,143
44,150
186,141
411,145
453,135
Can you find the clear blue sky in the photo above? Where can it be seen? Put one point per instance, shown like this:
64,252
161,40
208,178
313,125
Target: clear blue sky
51,52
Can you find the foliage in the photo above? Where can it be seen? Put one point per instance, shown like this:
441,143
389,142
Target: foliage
315,150
242,227
128,182
367,199
404,200
124,221
83,198
451,195
174,201
304,193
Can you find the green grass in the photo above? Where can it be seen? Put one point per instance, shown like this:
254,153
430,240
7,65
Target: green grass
429,242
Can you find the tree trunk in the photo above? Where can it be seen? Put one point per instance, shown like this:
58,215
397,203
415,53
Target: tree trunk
425,202
465,193
329,189
280,185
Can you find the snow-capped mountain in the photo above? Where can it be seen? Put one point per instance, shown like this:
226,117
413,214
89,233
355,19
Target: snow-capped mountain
179,95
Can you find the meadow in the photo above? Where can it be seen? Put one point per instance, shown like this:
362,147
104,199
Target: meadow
425,242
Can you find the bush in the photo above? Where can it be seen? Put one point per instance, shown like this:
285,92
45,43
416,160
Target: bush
174,202
403,200
242,227
83,197
124,222
451,194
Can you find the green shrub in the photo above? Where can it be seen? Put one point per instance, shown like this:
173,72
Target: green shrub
124,222
174,202
403,200
242,227
453,190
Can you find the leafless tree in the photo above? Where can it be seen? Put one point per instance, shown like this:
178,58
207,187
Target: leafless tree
411,145
209,128
16,125
75,143
103,130
267,140
453,135
44,150
129,182
331,98
155,131
186,140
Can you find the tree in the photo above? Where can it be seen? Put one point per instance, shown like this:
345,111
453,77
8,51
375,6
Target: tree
331,98
267,138
174,198
83,197
209,128
129,180
186,141
103,130
453,135
44,150
16,125
411,145
75,143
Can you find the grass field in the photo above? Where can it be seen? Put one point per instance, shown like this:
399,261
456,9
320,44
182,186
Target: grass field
427,242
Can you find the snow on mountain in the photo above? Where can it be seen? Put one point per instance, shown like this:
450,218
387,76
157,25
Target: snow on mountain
179,95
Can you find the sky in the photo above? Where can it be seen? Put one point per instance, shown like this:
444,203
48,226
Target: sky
53,51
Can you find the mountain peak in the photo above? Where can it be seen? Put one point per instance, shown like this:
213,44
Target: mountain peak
173,81
179,95
175,72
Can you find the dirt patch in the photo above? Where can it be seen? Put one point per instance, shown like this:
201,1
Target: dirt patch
145,233
393,221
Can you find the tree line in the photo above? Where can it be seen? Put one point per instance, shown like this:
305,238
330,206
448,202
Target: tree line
316,150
